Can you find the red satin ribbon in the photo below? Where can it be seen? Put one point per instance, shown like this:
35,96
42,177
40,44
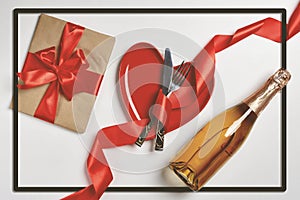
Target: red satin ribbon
117,135
161,108
60,69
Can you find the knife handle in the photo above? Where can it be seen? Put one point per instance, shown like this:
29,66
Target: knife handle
159,140
141,139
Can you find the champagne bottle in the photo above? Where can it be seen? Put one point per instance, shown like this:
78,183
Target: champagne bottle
220,138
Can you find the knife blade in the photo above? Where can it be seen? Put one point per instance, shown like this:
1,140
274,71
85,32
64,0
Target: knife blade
167,72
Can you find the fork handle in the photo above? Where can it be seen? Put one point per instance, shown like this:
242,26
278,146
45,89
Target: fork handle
159,140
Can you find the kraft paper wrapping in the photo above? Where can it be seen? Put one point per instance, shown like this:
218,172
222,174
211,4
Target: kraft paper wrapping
97,47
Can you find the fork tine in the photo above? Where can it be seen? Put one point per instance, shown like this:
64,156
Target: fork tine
183,76
179,69
177,73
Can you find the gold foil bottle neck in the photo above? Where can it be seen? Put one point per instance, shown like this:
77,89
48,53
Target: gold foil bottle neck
281,77
259,99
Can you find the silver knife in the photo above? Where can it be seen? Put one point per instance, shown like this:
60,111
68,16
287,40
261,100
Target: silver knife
166,84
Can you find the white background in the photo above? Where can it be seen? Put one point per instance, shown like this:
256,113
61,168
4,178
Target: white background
43,146
247,53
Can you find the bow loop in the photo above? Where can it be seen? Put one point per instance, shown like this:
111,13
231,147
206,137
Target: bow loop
75,62
47,57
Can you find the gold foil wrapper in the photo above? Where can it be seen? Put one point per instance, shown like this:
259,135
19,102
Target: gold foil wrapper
258,101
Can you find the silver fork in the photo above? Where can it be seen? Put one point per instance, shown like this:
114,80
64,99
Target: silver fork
178,78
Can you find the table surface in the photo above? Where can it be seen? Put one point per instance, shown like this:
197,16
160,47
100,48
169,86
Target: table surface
223,63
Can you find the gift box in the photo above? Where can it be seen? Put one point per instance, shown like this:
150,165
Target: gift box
62,72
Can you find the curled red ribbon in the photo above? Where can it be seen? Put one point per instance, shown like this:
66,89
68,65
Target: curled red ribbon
60,69
113,136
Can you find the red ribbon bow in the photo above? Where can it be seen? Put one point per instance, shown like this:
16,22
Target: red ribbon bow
60,69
